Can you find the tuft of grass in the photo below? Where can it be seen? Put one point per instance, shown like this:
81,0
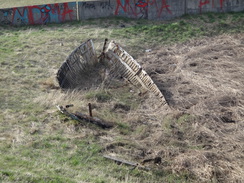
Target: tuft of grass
124,128
185,118
99,96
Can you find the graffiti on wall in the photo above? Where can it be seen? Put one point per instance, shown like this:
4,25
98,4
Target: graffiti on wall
106,5
6,14
95,9
153,9
42,14
203,3
165,6
143,8
96,5
142,4
139,8
88,5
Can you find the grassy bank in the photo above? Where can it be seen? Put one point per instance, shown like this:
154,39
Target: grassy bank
37,143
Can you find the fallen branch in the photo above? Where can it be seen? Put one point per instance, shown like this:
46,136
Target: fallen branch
85,118
93,120
64,111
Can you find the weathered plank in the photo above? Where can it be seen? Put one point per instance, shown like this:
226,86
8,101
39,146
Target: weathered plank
131,70
76,65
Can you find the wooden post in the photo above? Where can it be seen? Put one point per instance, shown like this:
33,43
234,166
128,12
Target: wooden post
77,10
90,109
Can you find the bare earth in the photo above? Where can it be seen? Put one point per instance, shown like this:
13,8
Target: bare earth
203,81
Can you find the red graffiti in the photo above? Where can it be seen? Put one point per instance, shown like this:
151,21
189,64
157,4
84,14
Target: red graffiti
142,4
202,3
131,7
124,7
205,2
164,6
66,11
221,3
21,13
42,14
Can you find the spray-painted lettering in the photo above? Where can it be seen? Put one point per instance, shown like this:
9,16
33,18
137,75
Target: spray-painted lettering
139,8
106,5
89,5
164,6
5,18
41,14
221,3
142,4
202,3
143,7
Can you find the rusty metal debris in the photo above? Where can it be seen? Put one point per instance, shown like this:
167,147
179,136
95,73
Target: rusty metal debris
90,109
83,69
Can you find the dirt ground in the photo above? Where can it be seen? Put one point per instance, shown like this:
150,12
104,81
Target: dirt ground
202,132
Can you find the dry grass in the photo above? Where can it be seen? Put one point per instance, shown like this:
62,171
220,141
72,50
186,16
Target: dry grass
201,79
206,83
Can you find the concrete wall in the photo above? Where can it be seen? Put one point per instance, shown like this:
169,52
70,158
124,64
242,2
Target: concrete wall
95,9
147,9
201,6
166,9
39,14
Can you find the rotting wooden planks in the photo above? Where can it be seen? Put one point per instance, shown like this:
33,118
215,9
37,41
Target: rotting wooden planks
82,65
131,70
